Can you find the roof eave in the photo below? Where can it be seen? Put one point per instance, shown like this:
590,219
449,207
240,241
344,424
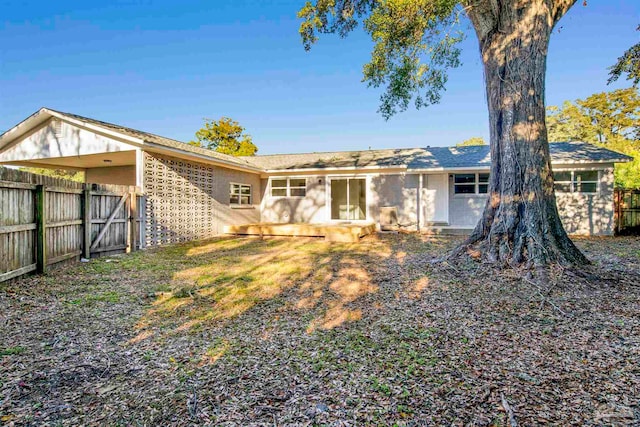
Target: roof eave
35,119
44,114
553,162
333,169
163,149
143,143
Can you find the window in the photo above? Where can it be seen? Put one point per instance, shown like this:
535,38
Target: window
297,187
279,188
289,187
239,194
562,181
576,181
585,181
471,183
483,183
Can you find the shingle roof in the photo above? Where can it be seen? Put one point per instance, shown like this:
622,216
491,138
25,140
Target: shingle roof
427,158
410,158
568,152
160,140
339,159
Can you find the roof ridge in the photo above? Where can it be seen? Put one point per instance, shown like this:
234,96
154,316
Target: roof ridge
340,152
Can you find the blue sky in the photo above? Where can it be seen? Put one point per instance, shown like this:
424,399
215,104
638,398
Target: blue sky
163,66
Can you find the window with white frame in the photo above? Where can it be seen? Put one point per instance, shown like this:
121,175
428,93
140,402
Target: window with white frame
470,183
576,181
239,194
288,187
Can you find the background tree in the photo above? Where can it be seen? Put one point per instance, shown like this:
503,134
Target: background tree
415,43
77,176
628,63
609,119
225,136
476,140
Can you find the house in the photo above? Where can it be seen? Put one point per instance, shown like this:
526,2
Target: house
192,193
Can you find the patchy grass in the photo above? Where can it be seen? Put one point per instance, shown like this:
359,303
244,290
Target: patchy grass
10,351
243,331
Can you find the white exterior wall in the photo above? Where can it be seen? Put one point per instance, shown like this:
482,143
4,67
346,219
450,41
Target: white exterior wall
57,138
589,214
120,175
399,190
308,209
465,210
582,214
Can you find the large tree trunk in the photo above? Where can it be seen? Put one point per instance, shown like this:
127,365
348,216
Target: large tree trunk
520,224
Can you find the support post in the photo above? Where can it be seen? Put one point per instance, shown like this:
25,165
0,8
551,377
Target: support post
419,207
86,221
41,229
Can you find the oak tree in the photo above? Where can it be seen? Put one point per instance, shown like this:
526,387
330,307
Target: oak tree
225,136
609,119
475,140
628,63
71,175
415,43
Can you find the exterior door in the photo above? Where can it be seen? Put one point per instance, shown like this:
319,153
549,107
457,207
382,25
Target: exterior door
348,199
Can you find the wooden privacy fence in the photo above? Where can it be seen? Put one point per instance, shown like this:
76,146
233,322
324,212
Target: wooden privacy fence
45,220
627,211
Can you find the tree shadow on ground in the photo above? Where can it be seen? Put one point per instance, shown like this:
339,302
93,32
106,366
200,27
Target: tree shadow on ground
328,284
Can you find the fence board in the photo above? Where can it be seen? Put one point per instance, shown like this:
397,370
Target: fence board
627,211
34,235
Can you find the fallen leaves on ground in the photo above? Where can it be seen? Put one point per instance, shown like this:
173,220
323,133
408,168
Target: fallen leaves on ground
252,332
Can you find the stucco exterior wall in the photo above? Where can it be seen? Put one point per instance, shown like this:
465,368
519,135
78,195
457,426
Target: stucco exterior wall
308,209
581,213
384,190
589,214
464,209
586,214
400,191
188,200
119,175
57,138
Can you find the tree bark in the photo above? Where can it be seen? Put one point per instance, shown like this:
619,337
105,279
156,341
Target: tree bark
520,223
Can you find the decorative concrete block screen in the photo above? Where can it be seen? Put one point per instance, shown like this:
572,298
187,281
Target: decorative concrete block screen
180,204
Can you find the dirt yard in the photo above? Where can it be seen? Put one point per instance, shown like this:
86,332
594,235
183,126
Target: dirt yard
295,332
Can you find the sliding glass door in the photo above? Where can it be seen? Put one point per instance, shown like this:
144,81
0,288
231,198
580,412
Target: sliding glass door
348,199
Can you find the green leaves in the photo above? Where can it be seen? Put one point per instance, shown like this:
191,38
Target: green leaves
629,64
225,136
415,43
610,119
473,141
77,176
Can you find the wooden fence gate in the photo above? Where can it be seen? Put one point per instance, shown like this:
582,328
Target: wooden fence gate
45,220
627,211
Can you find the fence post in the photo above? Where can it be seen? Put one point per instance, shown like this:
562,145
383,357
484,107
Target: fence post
616,211
86,221
41,229
133,218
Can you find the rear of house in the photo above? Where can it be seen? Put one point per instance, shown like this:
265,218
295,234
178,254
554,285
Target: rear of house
440,189
193,193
